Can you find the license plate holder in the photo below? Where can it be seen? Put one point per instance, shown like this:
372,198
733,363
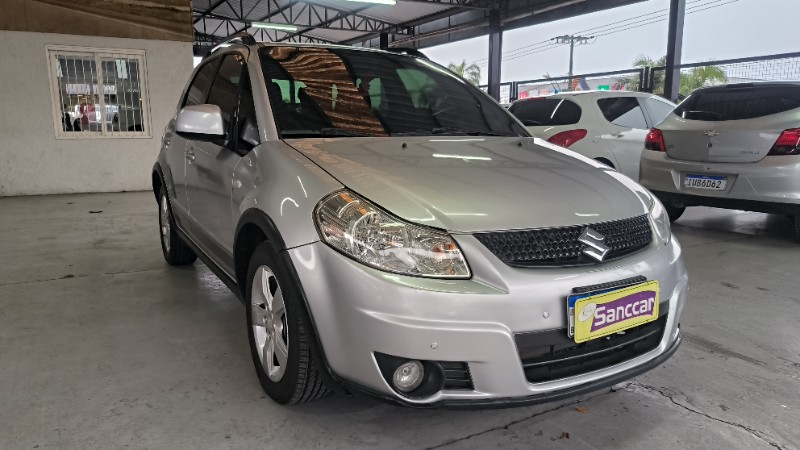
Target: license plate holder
611,310
707,182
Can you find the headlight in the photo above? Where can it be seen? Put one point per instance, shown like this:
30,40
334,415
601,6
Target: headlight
660,219
378,239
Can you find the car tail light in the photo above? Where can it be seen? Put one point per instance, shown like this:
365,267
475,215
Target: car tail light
567,138
788,143
655,140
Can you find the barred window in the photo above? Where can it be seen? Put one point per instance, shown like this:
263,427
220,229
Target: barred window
99,92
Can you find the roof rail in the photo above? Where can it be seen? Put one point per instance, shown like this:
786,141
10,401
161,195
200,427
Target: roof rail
408,51
242,37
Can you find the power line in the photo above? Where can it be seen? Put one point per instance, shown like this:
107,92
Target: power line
609,28
648,15
605,30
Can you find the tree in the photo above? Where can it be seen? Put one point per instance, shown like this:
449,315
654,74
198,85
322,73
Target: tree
471,72
696,77
645,62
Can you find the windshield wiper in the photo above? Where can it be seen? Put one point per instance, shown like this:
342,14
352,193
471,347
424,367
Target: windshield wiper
330,131
327,131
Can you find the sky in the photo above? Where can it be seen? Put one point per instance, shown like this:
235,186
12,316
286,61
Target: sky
719,29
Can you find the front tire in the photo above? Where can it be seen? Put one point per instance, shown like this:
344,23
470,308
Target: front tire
176,252
280,342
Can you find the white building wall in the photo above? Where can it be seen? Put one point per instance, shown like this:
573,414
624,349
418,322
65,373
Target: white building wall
33,161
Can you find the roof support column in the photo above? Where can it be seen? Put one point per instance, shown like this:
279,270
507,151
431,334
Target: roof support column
672,75
384,41
495,53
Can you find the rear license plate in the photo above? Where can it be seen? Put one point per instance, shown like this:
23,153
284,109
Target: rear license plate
710,182
605,313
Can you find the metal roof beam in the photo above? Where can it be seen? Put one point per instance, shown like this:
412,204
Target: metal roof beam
432,30
357,24
211,7
310,15
464,4
321,12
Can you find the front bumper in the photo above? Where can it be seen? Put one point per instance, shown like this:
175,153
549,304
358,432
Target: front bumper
770,185
358,311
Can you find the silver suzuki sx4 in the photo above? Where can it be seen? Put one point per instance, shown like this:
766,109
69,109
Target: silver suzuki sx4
394,232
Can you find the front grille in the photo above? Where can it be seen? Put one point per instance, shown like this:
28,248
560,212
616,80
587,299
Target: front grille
456,376
560,246
551,355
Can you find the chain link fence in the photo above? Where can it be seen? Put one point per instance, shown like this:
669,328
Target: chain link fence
781,67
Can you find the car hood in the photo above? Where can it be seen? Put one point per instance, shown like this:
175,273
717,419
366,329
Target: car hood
469,184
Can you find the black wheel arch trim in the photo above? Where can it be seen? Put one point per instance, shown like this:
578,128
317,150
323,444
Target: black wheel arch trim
254,216
160,174
157,170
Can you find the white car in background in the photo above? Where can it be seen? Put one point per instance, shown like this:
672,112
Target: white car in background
609,126
734,146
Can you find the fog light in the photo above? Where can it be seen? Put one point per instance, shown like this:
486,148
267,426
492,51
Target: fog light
408,376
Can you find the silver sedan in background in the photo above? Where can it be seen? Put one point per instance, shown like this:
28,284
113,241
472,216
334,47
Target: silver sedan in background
734,146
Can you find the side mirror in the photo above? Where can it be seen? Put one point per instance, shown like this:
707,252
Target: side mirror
200,122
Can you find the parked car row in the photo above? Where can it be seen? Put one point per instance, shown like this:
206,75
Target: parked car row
733,146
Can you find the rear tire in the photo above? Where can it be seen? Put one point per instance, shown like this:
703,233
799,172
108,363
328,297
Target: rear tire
280,340
175,250
674,212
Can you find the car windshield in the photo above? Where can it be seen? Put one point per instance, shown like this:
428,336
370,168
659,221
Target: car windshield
321,92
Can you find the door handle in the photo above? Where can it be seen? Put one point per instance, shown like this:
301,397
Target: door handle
188,154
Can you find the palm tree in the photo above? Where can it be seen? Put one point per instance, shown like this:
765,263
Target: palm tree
701,76
696,77
645,62
471,72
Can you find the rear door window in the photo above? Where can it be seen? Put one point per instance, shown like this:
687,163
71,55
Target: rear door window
546,111
738,102
623,111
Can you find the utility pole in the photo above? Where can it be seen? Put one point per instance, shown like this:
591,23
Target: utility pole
571,40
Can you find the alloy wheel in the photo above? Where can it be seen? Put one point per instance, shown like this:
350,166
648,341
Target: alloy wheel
165,223
269,323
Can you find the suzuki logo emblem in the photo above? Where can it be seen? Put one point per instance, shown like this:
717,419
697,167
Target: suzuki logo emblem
594,244
711,133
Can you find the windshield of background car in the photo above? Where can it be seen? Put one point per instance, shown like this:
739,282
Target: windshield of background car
739,102
546,111
341,92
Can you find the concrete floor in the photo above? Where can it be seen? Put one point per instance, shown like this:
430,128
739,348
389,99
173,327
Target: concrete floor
102,345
